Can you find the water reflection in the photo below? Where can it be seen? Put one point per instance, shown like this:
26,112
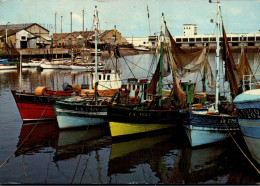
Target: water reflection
34,137
89,155
80,141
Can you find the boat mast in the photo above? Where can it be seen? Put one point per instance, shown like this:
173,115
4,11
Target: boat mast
217,59
56,35
96,58
20,79
161,61
71,37
61,40
83,55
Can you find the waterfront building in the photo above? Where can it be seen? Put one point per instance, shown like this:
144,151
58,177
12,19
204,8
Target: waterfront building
190,38
149,42
22,36
76,38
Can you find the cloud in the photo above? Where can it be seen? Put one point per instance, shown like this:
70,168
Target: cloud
77,17
235,11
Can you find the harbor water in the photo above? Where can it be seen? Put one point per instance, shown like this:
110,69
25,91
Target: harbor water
40,153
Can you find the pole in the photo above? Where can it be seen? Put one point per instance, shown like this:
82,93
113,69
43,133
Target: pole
6,33
96,30
61,40
56,35
96,58
161,64
71,35
217,61
83,37
149,25
20,79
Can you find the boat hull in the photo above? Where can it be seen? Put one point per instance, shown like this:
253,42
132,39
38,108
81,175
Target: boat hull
8,67
248,107
205,129
34,108
125,121
50,66
72,115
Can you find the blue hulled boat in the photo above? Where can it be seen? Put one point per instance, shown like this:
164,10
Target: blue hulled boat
248,107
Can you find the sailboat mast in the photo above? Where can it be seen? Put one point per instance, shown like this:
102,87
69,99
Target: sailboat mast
20,78
217,60
161,62
83,55
96,58
96,29
61,39
56,35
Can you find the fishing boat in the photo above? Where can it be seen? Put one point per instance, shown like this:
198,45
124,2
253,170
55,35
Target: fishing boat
90,109
248,107
209,122
4,65
154,112
38,105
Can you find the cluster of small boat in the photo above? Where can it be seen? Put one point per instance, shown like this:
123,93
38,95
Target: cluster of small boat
65,64
4,65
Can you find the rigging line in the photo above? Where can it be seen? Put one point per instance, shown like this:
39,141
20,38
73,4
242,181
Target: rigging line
25,137
257,170
129,67
136,65
137,62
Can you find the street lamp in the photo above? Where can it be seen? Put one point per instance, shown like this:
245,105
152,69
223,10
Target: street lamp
6,32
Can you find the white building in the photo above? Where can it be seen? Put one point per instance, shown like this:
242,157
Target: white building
149,42
189,30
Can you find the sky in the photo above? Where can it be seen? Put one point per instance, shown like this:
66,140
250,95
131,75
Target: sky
130,16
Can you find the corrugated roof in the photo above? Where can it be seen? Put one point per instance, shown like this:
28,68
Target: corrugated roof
15,26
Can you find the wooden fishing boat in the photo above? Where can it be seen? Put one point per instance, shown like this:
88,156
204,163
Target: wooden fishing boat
211,122
38,105
82,111
151,112
248,107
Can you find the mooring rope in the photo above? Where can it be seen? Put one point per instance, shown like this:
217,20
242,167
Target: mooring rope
9,157
230,134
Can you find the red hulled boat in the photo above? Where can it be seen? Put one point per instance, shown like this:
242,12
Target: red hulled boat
38,105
